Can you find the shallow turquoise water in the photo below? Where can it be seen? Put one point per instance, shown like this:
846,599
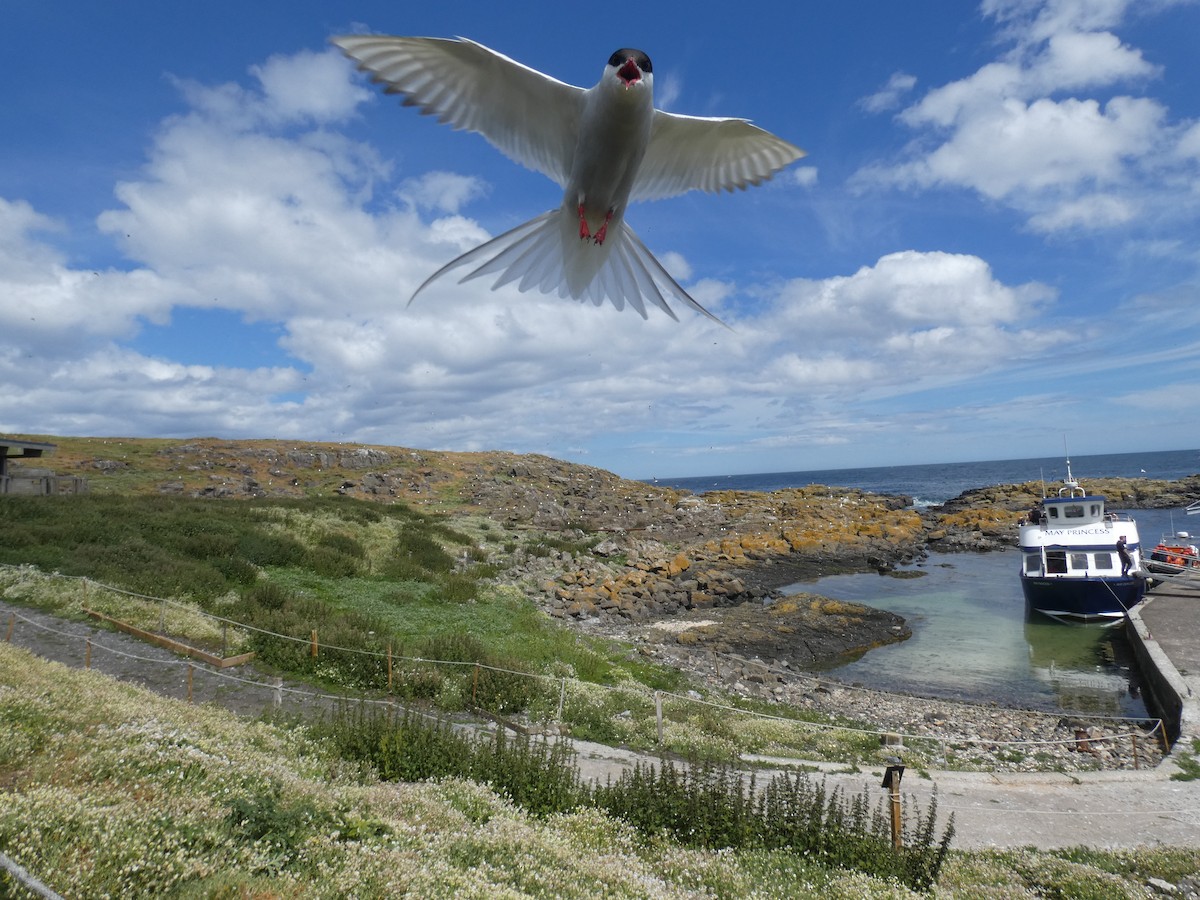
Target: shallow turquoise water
972,638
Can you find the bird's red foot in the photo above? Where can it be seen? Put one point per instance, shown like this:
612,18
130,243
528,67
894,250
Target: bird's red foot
585,232
603,232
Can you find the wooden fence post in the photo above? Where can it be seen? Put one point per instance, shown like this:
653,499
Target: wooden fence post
314,643
389,668
189,682
562,696
658,713
87,656
475,686
12,622
891,781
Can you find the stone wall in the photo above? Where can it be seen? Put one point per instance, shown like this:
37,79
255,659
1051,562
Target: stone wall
42,485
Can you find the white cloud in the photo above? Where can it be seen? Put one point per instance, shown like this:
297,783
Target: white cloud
1045,127
668,88
801,176
309,85
1078,60
443,191
917,289
890,95
1095,212
266,221
50,308
1014,148
1038,20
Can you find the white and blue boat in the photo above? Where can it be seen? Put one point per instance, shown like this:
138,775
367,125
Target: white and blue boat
1079,562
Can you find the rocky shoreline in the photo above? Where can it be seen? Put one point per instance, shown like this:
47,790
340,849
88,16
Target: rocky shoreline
692,581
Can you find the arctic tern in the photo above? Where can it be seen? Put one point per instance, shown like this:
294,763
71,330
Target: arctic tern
605,146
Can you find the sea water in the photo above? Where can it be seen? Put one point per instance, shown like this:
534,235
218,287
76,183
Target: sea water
972,637
932,484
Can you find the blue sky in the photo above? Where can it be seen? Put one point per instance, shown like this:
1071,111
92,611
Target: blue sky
210,224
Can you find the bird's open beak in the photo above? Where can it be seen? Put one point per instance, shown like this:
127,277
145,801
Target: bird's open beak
629,73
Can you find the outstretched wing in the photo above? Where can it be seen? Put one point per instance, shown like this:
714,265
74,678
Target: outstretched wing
693,153
530,117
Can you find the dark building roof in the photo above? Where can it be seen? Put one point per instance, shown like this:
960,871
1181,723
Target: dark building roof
14,449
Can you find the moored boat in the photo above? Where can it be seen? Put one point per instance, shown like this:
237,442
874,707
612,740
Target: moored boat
1079,562
1173,554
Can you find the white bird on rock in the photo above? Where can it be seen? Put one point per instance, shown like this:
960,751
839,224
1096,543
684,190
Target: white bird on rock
605,147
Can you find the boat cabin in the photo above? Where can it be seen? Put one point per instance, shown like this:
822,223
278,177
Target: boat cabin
1080,562
1072,511
1076,537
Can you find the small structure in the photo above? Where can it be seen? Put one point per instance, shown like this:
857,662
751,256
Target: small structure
35,481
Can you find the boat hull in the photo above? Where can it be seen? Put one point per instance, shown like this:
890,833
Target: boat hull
1085,600
1162,567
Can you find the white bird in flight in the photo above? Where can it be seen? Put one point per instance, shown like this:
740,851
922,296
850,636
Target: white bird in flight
604,146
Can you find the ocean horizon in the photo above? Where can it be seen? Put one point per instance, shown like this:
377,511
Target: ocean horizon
934,483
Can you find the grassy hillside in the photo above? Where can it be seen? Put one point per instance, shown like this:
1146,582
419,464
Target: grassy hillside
364,576
438,480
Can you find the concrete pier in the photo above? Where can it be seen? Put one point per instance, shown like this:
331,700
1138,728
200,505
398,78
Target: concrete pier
1164,630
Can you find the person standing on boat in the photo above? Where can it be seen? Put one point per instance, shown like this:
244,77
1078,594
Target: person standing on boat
1126,559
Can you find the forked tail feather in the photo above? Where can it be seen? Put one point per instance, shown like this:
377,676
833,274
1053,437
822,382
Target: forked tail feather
534,255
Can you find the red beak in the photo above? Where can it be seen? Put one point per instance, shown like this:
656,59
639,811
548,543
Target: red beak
629,73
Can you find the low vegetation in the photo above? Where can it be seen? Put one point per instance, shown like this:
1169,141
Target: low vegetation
367,579
113,791
701,805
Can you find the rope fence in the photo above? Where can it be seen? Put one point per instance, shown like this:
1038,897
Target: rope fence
23,877
1133,735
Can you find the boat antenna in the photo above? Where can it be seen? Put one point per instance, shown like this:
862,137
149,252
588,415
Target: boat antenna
1069,483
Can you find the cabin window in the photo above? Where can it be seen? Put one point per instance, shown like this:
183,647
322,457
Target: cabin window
1073,511
1095,509
1053,511
1033,564
1056,562
1103,561
1079,561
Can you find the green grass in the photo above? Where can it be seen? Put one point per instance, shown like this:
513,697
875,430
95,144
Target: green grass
365,576
1189,764
111,790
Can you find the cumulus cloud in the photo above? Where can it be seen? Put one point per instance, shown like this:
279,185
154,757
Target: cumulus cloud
308,85
1046,128
911,318
51,308
1014,148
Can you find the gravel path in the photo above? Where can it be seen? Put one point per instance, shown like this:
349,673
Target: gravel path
1111,809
